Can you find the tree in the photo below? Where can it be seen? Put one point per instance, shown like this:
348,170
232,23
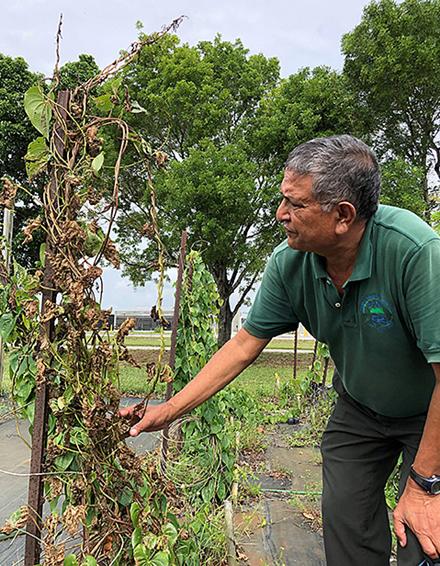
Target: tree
75,73
228,125
392,59
310,103
200,104
16,132
402,186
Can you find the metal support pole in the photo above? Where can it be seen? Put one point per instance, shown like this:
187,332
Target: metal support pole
39,434
169,391
8,224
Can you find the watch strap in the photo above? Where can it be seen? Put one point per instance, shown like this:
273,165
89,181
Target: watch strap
430,485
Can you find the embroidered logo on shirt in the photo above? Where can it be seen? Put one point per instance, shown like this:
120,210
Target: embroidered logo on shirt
376,312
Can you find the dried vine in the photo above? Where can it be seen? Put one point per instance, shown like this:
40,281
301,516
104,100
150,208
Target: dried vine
115,509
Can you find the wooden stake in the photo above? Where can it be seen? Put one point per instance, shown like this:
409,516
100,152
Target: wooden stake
169,391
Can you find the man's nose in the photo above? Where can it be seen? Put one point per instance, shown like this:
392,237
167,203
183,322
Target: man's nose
282,214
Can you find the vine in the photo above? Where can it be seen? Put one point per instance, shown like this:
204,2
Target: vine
108,506
205,468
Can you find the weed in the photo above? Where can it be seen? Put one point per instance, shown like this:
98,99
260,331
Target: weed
315,414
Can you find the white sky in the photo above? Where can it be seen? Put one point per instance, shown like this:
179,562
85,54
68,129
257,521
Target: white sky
299,33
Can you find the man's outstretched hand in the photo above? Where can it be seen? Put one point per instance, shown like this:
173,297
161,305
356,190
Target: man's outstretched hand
155,417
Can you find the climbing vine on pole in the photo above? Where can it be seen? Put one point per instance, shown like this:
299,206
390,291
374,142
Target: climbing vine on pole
107,505
207,441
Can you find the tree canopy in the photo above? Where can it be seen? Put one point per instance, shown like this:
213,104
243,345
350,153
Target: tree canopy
16,133
200,103
224,123
392,62
227,123
310,103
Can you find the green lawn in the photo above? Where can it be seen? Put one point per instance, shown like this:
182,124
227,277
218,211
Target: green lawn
257,379
275,343
146,340
282,344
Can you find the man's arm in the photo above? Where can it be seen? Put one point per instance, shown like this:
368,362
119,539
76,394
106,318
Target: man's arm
222,368
417,509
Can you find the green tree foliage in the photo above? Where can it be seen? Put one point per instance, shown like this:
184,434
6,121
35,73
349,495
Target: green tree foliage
392,61
15,129
201,103
311,103
75,73
401,186
16,132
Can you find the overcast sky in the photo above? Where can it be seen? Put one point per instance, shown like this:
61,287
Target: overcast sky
299,33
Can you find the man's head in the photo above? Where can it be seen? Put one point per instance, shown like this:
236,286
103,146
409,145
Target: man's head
342,168
330,186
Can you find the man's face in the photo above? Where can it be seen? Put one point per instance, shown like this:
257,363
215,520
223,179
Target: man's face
308,227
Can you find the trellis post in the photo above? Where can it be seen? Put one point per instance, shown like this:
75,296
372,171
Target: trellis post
39,433
175,324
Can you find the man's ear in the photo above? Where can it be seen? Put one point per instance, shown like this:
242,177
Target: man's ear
345,216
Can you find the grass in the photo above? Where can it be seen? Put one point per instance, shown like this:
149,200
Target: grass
133,382
146,341
262,380
276,343
257,380
283,344
152,339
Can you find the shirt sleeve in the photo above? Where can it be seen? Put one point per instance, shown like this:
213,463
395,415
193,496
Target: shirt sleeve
271,313
422,292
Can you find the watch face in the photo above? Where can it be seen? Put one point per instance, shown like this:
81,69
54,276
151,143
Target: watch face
435,487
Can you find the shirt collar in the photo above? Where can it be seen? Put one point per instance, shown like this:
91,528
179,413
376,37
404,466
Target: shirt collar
364,258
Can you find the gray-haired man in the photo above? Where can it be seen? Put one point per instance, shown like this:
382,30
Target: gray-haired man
364,279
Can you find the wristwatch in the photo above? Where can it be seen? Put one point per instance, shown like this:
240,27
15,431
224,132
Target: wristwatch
430,485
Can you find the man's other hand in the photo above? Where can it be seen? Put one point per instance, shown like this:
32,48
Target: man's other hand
421,513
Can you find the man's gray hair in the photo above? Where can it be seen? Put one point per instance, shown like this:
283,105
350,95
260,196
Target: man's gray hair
343,168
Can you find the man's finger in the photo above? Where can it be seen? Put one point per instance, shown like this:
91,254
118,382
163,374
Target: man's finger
142,425
126,411
134,431
428,546
399,529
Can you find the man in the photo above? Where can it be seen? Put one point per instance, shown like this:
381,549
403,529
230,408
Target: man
362,278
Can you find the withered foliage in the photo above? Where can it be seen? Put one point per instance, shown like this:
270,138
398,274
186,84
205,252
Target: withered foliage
87,460
111,254
30,228
8,193
17,521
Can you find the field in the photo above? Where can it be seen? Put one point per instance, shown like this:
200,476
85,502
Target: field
269,371
151,339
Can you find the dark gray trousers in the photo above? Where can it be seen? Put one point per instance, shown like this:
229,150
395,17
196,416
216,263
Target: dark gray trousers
360,450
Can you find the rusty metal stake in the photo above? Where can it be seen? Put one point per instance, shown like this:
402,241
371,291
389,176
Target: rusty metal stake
172,361
39,434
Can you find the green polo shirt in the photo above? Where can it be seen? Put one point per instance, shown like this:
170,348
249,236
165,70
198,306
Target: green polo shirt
384,332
